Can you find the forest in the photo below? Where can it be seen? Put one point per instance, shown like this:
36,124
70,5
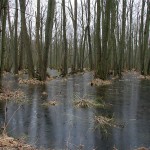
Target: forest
58,56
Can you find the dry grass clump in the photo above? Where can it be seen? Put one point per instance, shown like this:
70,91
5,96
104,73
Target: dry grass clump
82,103
99,82
86,103
30,81
142,148
17,96
7,143
144,77
50,103
34,81
105,123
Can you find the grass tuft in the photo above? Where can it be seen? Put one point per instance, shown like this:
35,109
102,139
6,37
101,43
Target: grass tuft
86,103
50,103
99,82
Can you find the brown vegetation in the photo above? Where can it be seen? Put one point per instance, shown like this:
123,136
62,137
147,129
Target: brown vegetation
33,81
17,96
143,148
83,103
99,82
9,143
144,77
50,103
30,81
86,103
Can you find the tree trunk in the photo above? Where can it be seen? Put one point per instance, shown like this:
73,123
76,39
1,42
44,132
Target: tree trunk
3,40
98,41
48,36
89,36
103,70
141,39
75,36
15,40
146,47
65,63
26,39
40,62
122,42
130,64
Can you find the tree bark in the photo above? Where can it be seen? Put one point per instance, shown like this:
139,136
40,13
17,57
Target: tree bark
16,40
48,36
26,40
75,36
122,42
89,35
65,60
3,40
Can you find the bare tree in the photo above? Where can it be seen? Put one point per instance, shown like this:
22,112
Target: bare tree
65,60
48,36
16,40
3,40
122,41
89,35
40,62
26,40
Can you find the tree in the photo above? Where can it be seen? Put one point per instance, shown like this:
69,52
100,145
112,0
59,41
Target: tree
3,40
130,56
113,40
122,40
65,49
89,35
146,48
25,39
40,61
98,41
16,40
102,61
75,36
48,36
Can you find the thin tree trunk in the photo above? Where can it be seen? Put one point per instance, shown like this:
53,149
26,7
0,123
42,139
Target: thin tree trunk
15,40
98,41
89,36
146,49
122,42
141,39
40,62
65,63
130,64
75,36
3,40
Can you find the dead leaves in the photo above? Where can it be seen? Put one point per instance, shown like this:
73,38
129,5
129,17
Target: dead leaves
50,103
143,148
99,82
17,96
34,81
31,81
144,77
7,143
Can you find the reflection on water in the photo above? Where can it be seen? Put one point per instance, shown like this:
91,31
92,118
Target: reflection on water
65,126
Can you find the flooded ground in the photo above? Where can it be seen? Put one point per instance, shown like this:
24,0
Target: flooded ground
65,126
